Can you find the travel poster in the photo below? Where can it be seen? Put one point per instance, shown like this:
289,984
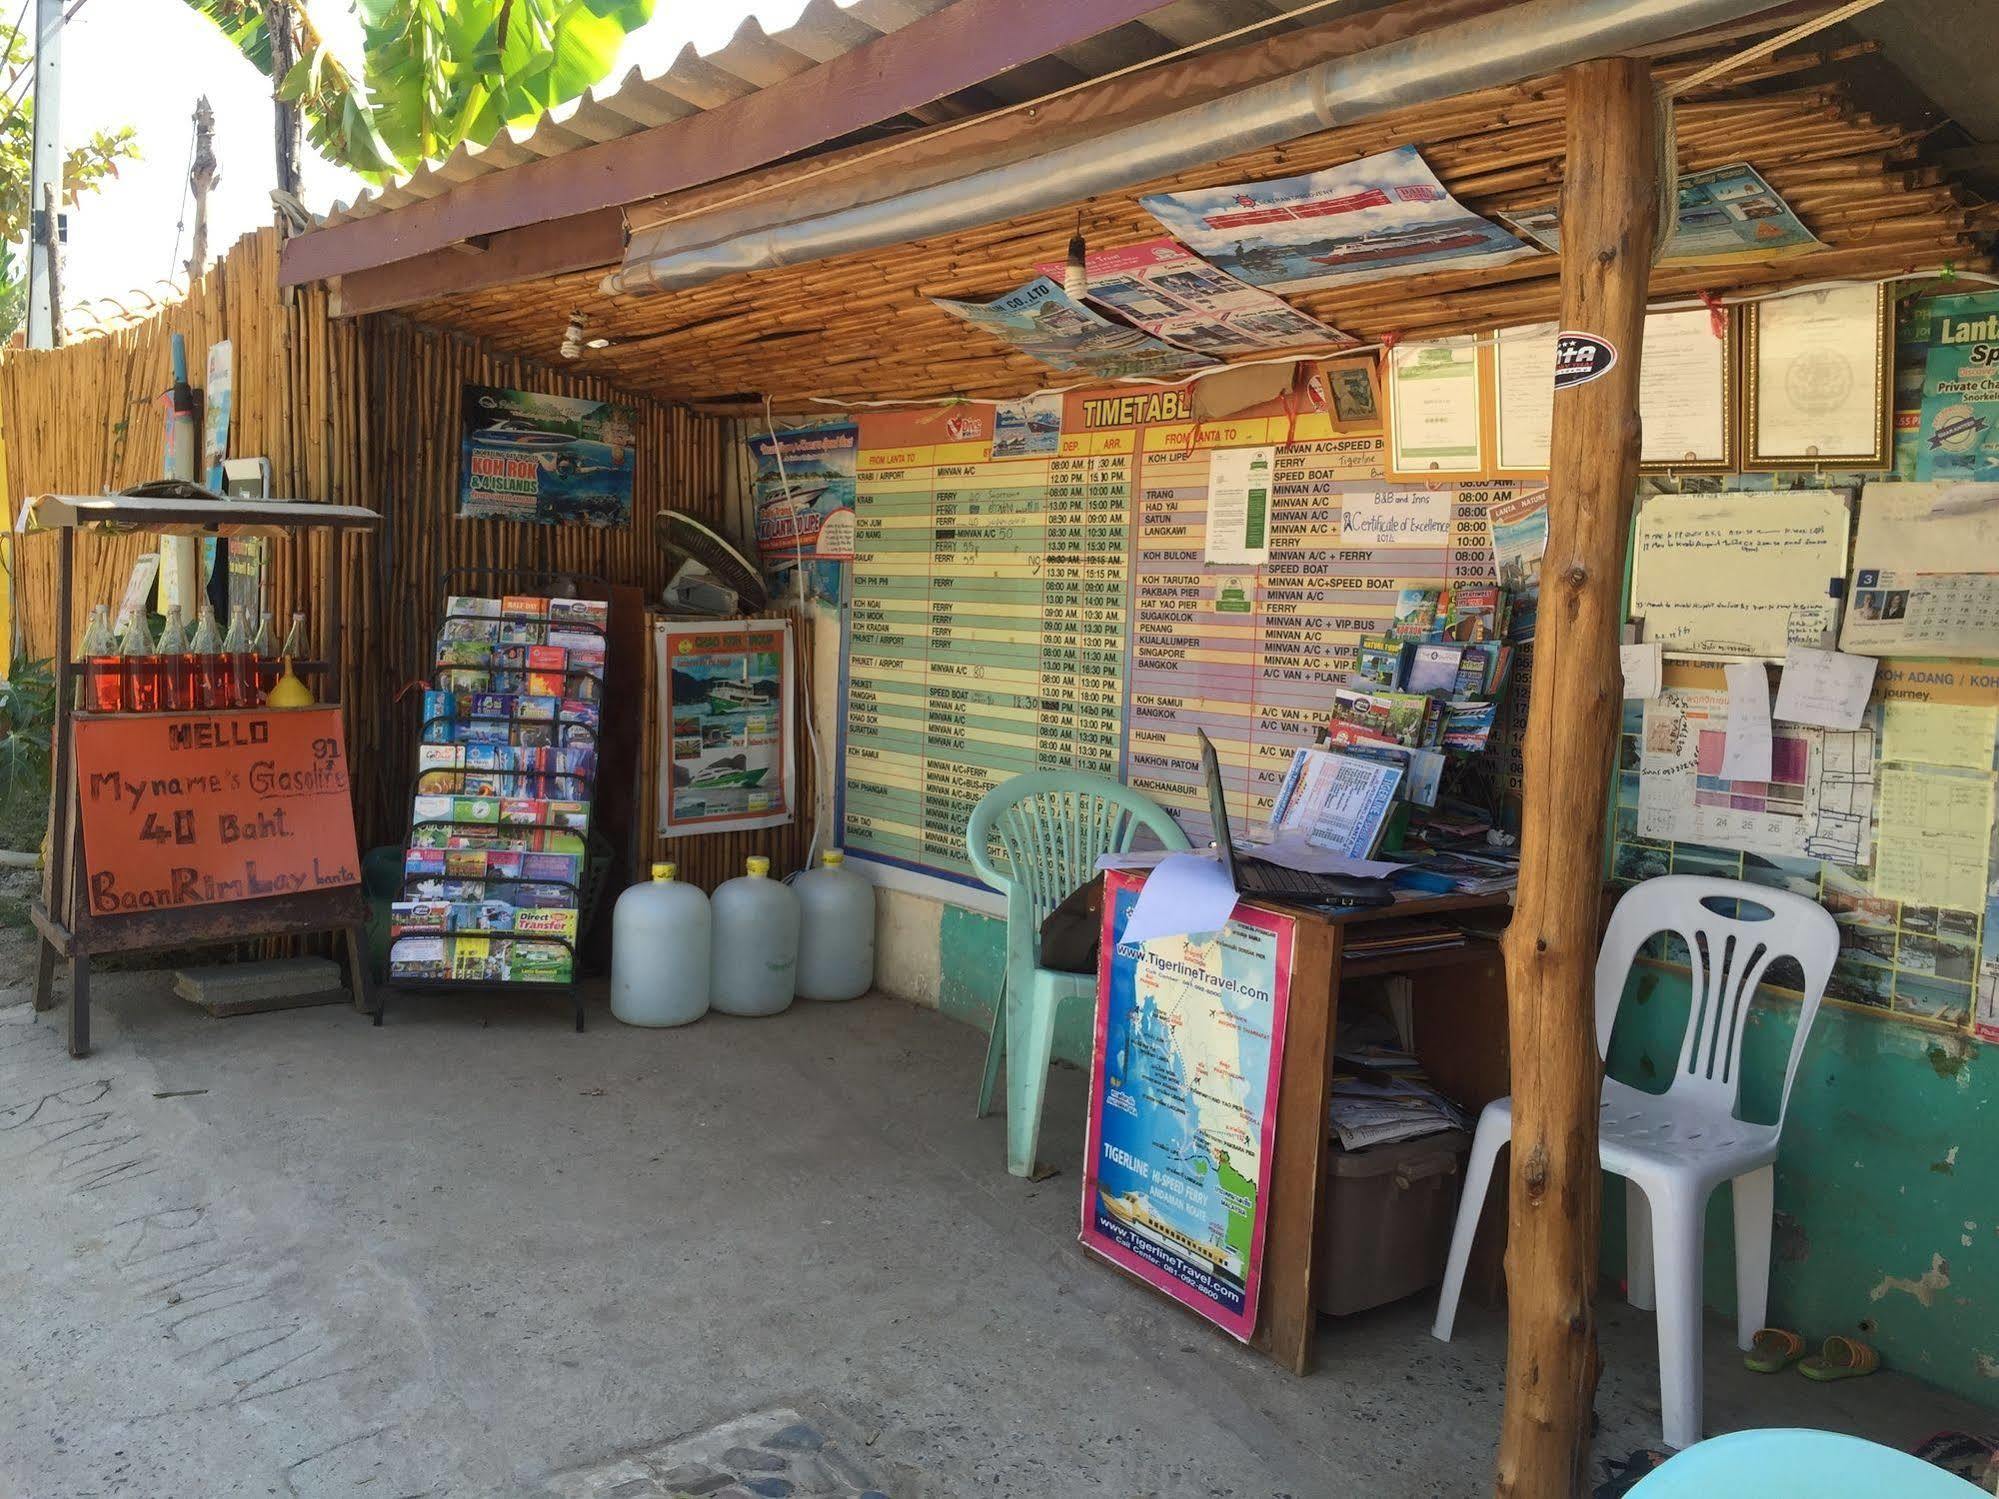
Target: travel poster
555,460
1384,215
1727,213
1183,1105
1044,321
1958,429
802,483
1173,294
726,698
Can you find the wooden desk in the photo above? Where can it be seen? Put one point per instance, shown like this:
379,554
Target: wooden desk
1460,1025
1460,1039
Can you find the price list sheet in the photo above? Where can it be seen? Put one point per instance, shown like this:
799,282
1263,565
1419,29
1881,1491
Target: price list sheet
1253,654
986,633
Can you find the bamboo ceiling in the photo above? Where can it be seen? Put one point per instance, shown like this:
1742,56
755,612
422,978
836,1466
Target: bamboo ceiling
861,327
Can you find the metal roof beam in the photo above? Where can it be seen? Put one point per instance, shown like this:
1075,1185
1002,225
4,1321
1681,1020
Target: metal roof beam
955,48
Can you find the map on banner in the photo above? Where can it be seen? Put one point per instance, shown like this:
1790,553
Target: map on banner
1183,1106
1042,320
1384,215
1172,293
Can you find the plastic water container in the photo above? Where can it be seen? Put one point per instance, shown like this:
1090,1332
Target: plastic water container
756,943
836,935
659,952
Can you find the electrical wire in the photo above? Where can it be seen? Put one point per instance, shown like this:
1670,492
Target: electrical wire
805,664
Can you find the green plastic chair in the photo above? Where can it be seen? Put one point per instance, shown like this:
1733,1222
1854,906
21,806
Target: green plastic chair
1051,826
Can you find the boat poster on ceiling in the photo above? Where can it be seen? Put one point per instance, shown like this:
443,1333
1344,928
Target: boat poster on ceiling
727,692
554,460
1183,1105
1384,215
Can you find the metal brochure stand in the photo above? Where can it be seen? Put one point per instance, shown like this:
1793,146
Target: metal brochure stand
576,787
68,930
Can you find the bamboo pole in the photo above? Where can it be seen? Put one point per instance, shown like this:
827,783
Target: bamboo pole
1609,218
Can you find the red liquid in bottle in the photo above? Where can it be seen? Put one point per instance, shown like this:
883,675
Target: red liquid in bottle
142,684
104,684
243,680
266,676
184,682
213,688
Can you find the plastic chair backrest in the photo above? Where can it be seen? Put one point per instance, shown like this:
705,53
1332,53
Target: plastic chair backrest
1733,931
1052,825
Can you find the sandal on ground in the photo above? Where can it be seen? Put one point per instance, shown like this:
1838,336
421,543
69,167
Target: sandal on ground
1773,1350
1840,1358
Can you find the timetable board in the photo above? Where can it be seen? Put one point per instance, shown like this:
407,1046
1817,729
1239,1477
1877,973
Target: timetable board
1054,610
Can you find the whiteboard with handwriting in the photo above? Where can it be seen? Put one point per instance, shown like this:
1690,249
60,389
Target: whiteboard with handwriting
1739,574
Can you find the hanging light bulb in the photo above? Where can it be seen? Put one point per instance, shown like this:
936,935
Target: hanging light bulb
572,336
1076,274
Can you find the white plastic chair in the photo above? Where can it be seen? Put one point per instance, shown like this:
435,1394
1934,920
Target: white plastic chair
1674,1148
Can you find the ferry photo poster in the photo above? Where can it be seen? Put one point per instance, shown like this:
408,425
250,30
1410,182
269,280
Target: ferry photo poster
1183,1105
554,460
727,690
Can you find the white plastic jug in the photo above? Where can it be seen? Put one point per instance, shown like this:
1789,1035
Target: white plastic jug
756,943
836,935
659,952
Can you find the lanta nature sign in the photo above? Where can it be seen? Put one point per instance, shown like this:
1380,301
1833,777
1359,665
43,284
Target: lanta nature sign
555,460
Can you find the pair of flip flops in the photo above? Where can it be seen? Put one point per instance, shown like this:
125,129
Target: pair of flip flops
1775,1349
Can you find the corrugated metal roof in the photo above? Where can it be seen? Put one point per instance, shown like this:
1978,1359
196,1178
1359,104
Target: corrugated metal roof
753,59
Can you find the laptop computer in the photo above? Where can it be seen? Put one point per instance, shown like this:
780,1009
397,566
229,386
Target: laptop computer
1253,876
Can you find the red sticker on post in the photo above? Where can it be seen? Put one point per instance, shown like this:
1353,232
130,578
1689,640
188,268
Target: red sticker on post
1580,358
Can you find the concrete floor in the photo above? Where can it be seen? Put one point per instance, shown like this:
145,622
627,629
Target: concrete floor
473,1251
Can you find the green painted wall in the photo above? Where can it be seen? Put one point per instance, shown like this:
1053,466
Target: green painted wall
972,959
1887,1186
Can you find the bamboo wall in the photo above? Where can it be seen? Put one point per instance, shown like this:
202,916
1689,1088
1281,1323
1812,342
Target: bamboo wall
362,413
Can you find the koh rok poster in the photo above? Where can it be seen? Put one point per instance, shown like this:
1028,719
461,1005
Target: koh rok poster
1384,215
555,460
802,483
1044,321
726,696
1183,1105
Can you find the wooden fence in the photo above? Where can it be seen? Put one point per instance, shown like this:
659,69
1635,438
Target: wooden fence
362,412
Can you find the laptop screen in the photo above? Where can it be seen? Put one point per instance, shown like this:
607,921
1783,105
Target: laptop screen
1218,807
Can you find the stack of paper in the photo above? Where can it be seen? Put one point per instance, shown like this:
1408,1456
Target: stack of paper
1383,1097
1461,874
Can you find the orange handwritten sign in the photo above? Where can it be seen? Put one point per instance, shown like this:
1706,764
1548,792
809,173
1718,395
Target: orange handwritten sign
193,809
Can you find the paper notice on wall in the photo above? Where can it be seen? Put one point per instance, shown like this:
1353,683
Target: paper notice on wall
1643,667
1826,688
1239,505
1959,734
1738,574
1816,801
1746,750
1934,834
1413,516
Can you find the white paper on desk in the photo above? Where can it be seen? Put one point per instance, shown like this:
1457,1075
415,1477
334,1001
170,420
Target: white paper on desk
1826,688
1186,892
1135,858
1292,850
1745,755
1644,669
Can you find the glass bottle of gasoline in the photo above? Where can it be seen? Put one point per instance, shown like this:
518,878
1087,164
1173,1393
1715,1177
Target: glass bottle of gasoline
238,678
139,667
263,656
204,657
176,677
99,686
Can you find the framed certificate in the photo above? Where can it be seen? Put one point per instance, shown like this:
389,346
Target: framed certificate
1816,385
1522,364
1436,426
1686,394
1353,394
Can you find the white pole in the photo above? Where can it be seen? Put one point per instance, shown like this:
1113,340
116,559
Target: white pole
45,168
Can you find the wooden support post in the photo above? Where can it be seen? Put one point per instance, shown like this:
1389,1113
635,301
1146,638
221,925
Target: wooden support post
1609,211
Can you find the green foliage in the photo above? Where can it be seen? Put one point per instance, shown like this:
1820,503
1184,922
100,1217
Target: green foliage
27,717
434,73
86,169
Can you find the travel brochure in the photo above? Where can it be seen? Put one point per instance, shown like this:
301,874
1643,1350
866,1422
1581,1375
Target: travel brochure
493,873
